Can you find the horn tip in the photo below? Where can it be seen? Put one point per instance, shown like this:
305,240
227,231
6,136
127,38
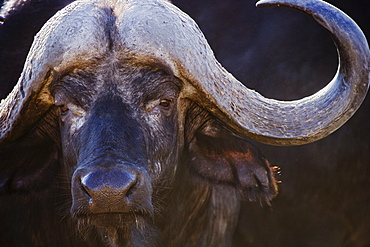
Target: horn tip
267,3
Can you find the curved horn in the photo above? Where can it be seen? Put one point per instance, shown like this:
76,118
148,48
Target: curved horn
314,117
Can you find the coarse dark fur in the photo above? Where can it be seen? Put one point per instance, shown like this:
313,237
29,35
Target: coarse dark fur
191,171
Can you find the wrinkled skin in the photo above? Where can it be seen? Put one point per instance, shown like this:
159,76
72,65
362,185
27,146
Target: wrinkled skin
119,129
145,166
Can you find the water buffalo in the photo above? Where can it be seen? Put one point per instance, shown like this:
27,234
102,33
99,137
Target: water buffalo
124,105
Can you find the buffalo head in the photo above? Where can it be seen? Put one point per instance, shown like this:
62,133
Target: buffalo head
124,102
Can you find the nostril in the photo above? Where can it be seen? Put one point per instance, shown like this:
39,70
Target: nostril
84,188
131,188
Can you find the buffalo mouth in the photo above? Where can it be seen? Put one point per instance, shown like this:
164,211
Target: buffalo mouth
114,219
117,229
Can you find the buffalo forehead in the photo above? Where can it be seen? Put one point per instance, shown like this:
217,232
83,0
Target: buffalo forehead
149,30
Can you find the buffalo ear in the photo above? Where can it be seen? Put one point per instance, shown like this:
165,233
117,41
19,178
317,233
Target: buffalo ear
32,162
220,156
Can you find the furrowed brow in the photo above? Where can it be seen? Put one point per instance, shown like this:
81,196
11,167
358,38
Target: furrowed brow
74,88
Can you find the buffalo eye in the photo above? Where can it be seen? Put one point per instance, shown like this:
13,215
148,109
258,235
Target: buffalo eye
165,103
